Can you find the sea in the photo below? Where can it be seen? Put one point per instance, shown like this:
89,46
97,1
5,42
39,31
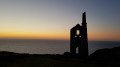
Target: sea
41,46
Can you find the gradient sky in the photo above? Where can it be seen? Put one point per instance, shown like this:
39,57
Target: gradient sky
53,19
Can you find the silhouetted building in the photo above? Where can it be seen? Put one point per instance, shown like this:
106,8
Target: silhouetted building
78,39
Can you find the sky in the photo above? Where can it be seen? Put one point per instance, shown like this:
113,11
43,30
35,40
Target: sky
53,19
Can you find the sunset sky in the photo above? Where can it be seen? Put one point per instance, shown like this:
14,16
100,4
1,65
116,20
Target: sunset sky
53,19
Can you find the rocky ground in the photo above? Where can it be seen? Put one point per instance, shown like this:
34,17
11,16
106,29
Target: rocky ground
100,58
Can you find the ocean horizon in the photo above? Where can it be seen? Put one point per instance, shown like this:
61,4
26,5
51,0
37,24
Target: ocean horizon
42,46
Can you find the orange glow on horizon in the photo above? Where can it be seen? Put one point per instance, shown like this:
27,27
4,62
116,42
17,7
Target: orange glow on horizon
56,36
104,37
33,36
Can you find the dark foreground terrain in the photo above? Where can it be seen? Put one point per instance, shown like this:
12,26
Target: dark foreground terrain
100,58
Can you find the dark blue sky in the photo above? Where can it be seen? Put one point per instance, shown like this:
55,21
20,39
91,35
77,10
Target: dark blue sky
54,18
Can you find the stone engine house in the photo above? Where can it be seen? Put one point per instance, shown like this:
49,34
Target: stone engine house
78,39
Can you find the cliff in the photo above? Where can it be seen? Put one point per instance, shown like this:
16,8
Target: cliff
100,58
